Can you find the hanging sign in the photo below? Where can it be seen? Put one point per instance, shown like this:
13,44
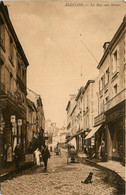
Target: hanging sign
12,119
19,122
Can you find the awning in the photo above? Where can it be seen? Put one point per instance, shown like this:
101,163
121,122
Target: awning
93,131
72,142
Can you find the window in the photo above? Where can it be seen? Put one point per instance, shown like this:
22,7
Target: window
19,69
23,73
83,105
19,66
101,83
11,76
2,36
102,106
87,102
115,59
11,50
87,121
115,89
106,99
107,76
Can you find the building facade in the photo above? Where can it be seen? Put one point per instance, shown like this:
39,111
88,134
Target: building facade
71,118
112,95
13,79
31,123
100,105
38,118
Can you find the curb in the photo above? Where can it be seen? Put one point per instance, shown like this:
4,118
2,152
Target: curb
102,167
6,175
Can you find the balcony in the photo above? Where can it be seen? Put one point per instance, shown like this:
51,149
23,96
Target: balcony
99,119
16,100
115,100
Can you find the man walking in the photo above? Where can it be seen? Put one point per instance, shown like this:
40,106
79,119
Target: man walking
45,156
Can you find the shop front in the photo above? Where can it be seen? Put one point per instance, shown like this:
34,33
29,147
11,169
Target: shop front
13,131
115,126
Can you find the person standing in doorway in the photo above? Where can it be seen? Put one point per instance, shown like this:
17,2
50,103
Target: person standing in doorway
5,155
9,155
45,156
17,156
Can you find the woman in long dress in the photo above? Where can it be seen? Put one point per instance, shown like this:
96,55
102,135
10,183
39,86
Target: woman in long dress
37,156
9,155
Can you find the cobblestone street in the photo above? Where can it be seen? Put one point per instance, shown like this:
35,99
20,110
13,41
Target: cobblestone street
60,179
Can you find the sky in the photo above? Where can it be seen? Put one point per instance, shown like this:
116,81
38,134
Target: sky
59,41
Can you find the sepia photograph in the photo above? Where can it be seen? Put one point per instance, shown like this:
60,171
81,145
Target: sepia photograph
62,97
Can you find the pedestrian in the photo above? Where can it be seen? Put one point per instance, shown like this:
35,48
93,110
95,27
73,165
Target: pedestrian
5,155
9,155
103,151
45,156
37,157
17,155
50,148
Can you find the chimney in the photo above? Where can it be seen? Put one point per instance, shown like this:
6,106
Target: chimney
105,46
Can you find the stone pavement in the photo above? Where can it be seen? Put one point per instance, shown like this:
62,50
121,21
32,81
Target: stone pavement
60,179
110,165
4,172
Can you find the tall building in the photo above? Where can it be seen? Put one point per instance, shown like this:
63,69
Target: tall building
13,82
112,95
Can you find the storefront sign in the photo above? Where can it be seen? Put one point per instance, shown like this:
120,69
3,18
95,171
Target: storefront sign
115,114
12,118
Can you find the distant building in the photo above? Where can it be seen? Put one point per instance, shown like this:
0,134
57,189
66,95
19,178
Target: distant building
36,113
79,118
63,131
71,118
31,123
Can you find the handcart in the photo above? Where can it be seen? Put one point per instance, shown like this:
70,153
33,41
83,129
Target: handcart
57,151
72,155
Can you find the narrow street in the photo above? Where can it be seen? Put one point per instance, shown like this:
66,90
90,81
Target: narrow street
61,178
